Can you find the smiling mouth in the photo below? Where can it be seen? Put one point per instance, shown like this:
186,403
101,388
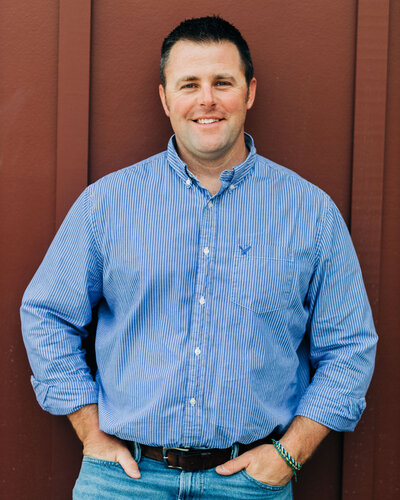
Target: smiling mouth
206,121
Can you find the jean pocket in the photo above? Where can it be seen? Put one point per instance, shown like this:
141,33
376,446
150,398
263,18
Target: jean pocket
266,486
262,283
100,461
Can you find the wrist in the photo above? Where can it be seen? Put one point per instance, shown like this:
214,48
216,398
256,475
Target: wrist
295,449
85,422
92,435
290,461
303,437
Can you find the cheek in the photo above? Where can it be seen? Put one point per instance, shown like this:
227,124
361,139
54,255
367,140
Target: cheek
235,103
181,108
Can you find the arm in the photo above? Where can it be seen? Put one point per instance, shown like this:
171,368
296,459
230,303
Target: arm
97,444
341,331
57,307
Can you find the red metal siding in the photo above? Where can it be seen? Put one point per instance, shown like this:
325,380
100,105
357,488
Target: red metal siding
28,97
79,99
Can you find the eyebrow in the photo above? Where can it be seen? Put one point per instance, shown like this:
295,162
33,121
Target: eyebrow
188,78
225,76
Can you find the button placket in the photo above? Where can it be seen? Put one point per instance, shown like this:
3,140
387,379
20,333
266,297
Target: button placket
199,324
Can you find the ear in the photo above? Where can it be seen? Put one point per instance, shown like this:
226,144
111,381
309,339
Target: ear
251,93
163,99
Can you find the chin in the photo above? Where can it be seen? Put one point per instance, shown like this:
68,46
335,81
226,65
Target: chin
211,148
212,151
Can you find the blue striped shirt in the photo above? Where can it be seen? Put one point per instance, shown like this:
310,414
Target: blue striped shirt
220,317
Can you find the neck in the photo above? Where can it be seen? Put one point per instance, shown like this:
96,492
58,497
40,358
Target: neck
208,174
210,169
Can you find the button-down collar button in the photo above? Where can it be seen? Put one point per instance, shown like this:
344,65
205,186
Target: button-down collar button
202,300
188,182
210,204
232,187
206,250
192,401
197,351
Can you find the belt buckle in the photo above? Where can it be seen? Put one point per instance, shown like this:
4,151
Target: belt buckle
180,451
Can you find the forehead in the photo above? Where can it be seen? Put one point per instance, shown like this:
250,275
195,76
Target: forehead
195,58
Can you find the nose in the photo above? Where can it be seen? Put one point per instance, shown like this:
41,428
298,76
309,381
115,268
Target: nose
207,96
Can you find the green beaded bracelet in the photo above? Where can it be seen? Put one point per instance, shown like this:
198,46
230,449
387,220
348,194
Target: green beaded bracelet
292,463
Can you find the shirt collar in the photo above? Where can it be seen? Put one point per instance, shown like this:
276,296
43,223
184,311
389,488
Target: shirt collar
233,176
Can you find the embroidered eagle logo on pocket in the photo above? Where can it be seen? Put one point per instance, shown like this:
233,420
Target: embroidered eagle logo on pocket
244,250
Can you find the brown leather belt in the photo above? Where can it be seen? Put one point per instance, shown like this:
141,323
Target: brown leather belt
192,459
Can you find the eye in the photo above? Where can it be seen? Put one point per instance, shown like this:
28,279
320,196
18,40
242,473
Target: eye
223,83
189,86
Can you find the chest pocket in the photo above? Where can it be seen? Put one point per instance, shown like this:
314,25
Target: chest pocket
262,278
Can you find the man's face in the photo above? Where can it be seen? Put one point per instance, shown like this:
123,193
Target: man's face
206,98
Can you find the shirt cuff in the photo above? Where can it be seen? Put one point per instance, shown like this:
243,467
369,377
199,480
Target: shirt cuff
65,398
329,407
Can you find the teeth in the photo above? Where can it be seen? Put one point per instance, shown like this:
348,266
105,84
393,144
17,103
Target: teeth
207,120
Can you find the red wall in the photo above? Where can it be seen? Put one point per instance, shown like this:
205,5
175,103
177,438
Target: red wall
79,99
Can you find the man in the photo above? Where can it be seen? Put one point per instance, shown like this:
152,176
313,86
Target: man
231,308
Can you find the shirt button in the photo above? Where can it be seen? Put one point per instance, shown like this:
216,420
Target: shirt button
206,250
192,401
232,187
188,182
197,351
210,204
202,300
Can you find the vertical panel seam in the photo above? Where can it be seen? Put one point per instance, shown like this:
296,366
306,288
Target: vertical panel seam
72,102
73,94
370,102
369,141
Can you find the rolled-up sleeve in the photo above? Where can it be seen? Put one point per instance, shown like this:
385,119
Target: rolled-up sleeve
341,331
56,309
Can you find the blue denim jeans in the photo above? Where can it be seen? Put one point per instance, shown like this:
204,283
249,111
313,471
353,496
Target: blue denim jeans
104,480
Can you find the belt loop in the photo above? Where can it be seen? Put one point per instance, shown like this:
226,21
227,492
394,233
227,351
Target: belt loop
235,450
137,452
